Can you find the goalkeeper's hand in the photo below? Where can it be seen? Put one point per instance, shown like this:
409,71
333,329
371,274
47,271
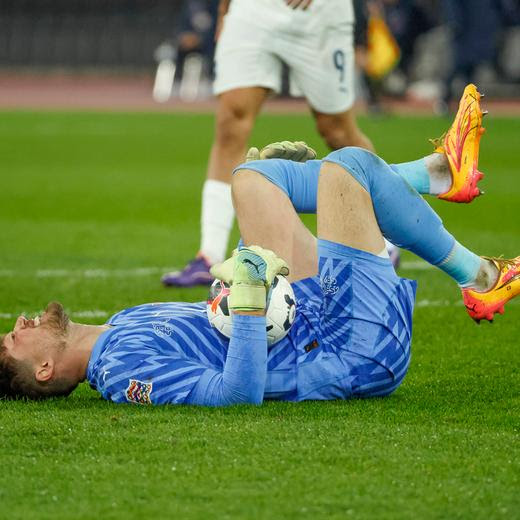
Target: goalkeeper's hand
250,272
293,151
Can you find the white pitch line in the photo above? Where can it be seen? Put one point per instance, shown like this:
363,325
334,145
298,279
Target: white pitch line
416,265
92,313
437,303
137,271
86,273
100,273
98,313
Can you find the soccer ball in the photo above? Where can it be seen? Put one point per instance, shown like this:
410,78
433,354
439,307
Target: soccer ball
281,309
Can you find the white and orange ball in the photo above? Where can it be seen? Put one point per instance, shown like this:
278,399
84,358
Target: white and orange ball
280,313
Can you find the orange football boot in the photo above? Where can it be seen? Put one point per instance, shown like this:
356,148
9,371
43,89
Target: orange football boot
461,145
483,305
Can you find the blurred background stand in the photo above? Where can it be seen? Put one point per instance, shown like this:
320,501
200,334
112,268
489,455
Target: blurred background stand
165,55
185,67
168,46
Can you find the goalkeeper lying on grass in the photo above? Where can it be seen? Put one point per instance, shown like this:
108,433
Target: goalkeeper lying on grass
353,327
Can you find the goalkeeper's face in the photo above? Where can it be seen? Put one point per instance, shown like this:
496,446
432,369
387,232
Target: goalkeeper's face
32,338
32,352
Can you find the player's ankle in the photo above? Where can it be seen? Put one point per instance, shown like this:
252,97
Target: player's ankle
441,178
208,258
486,278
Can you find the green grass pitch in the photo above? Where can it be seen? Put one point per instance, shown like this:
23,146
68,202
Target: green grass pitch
95,206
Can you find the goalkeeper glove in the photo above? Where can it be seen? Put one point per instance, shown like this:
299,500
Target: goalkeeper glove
293,151
250,272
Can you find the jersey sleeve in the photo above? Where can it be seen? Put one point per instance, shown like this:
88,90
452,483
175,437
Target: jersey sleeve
145,377
245,371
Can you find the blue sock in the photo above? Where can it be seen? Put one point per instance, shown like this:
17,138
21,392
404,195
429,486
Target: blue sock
415,173
462,265
404,217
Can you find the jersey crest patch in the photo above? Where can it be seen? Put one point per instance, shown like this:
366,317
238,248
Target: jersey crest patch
163,329
139,392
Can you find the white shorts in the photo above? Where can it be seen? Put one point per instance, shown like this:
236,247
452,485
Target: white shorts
320,57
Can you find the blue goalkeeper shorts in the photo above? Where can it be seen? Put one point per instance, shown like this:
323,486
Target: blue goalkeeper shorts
361,312
299,181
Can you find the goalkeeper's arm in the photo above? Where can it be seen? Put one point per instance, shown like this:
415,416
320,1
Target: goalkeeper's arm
242,380
250,272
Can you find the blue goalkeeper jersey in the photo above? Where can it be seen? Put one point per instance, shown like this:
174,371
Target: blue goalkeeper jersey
351,337
158,353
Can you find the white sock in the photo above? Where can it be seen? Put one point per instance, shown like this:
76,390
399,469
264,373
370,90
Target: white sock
216,220
385,253
439,185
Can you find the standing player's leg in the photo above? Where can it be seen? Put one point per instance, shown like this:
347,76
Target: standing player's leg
236,114
246,72
322,67
341,129
235,117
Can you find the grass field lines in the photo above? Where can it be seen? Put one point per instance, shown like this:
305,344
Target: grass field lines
153,272
137,271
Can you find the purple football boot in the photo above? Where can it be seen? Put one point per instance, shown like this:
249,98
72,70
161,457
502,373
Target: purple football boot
195,273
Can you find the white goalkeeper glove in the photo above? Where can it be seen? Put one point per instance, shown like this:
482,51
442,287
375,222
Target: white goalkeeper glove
250,272
293,151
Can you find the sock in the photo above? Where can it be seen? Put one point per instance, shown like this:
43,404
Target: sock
216,220
415,173
384,252
462,265
486,278
405,218
439,185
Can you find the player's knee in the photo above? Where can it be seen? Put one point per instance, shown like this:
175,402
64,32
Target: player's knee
334,132
334,137
242,186
353,156
247,184
358,162
234,124
341,130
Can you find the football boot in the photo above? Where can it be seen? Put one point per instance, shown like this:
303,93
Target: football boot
484,305
461,144
195,273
